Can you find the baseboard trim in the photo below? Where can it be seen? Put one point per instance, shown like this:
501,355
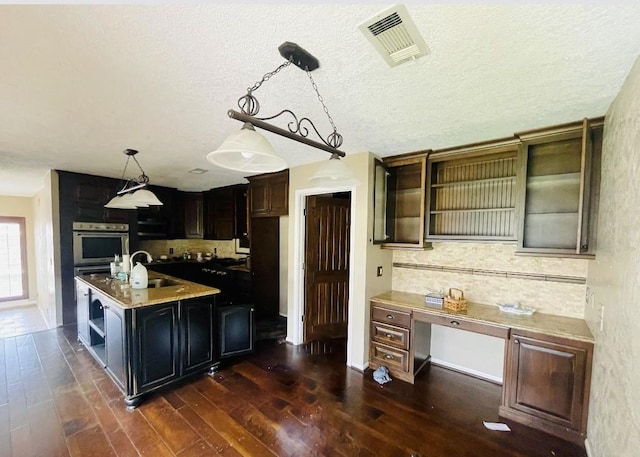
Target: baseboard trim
18,304
587,448
360,367
467,371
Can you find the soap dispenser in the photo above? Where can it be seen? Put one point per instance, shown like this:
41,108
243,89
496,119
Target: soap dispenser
139,277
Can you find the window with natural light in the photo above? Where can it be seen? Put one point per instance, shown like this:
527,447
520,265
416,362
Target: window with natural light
13,268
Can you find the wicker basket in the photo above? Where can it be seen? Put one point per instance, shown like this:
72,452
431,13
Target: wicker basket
455,302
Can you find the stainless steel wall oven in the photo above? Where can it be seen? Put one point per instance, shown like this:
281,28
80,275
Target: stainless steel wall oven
97,243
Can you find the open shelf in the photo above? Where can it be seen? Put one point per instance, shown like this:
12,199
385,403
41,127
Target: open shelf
473,198
97,324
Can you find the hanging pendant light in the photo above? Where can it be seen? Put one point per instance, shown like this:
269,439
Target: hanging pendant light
333,173
134,193
247,150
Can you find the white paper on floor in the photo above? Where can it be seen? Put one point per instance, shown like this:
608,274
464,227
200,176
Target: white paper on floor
498,426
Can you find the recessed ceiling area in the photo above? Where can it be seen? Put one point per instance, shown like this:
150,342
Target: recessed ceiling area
81,83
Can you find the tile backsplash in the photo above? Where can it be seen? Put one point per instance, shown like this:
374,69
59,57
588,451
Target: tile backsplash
490,273
222,248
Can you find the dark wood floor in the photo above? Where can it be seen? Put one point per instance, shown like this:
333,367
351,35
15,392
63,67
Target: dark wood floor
56,401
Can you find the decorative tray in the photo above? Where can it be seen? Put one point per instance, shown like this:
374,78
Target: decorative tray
516,308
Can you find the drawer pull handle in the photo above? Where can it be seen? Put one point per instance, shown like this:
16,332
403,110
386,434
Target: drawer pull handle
388,356
390,316
455,323
388,335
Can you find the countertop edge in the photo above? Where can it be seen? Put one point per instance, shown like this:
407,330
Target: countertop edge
125,297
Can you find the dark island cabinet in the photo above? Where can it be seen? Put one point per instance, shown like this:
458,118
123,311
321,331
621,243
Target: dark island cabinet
156,339
198,334
147,347
115,343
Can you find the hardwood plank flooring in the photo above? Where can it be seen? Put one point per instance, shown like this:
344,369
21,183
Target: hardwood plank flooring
55,400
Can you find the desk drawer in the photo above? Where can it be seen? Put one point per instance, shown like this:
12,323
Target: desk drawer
390,357
390,316
455,322
390,335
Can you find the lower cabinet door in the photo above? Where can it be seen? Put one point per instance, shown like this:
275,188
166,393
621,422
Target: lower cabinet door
548,382
237,330
115,343
82,306
197,333
157,350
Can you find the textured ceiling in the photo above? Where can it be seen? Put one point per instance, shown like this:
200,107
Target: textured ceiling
79,84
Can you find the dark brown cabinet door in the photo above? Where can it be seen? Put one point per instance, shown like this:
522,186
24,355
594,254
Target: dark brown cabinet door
241,213
269,194
259,198
547,381
193,215
265,265
279,194
219,213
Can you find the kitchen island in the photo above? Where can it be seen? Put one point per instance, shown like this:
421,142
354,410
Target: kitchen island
148,338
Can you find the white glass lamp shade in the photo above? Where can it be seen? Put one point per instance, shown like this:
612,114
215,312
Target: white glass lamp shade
144,197
121,202
247,150
333,173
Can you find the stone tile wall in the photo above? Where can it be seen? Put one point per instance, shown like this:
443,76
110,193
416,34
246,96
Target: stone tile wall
491,273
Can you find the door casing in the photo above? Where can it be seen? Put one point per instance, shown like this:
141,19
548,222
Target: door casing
297,335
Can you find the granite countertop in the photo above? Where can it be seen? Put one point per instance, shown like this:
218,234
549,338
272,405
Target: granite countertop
126,297
548,324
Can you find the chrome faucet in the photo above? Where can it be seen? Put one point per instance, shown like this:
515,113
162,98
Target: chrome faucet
149,258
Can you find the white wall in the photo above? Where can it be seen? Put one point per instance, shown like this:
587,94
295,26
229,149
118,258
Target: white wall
614,283
364,256
23,207
47,243
284,265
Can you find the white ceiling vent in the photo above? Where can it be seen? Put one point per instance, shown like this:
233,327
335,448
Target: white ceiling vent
394,35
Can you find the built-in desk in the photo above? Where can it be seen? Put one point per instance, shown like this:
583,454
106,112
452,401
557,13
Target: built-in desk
547,366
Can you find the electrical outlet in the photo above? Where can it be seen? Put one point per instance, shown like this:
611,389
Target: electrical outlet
379,271
170,250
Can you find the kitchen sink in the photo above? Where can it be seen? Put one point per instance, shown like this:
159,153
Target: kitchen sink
161,282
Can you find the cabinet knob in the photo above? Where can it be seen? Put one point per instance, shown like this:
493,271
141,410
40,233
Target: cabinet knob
454,323
516,341
389,336
390,316
388,356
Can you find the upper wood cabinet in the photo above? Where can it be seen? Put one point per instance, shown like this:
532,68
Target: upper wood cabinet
472,193
225,212
83,198
269,194
399,202
193,214
559,179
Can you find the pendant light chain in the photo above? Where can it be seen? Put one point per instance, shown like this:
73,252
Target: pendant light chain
248,104
334,139
267,76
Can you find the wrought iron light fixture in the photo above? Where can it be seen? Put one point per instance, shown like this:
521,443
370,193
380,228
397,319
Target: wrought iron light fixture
248,151
133,194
